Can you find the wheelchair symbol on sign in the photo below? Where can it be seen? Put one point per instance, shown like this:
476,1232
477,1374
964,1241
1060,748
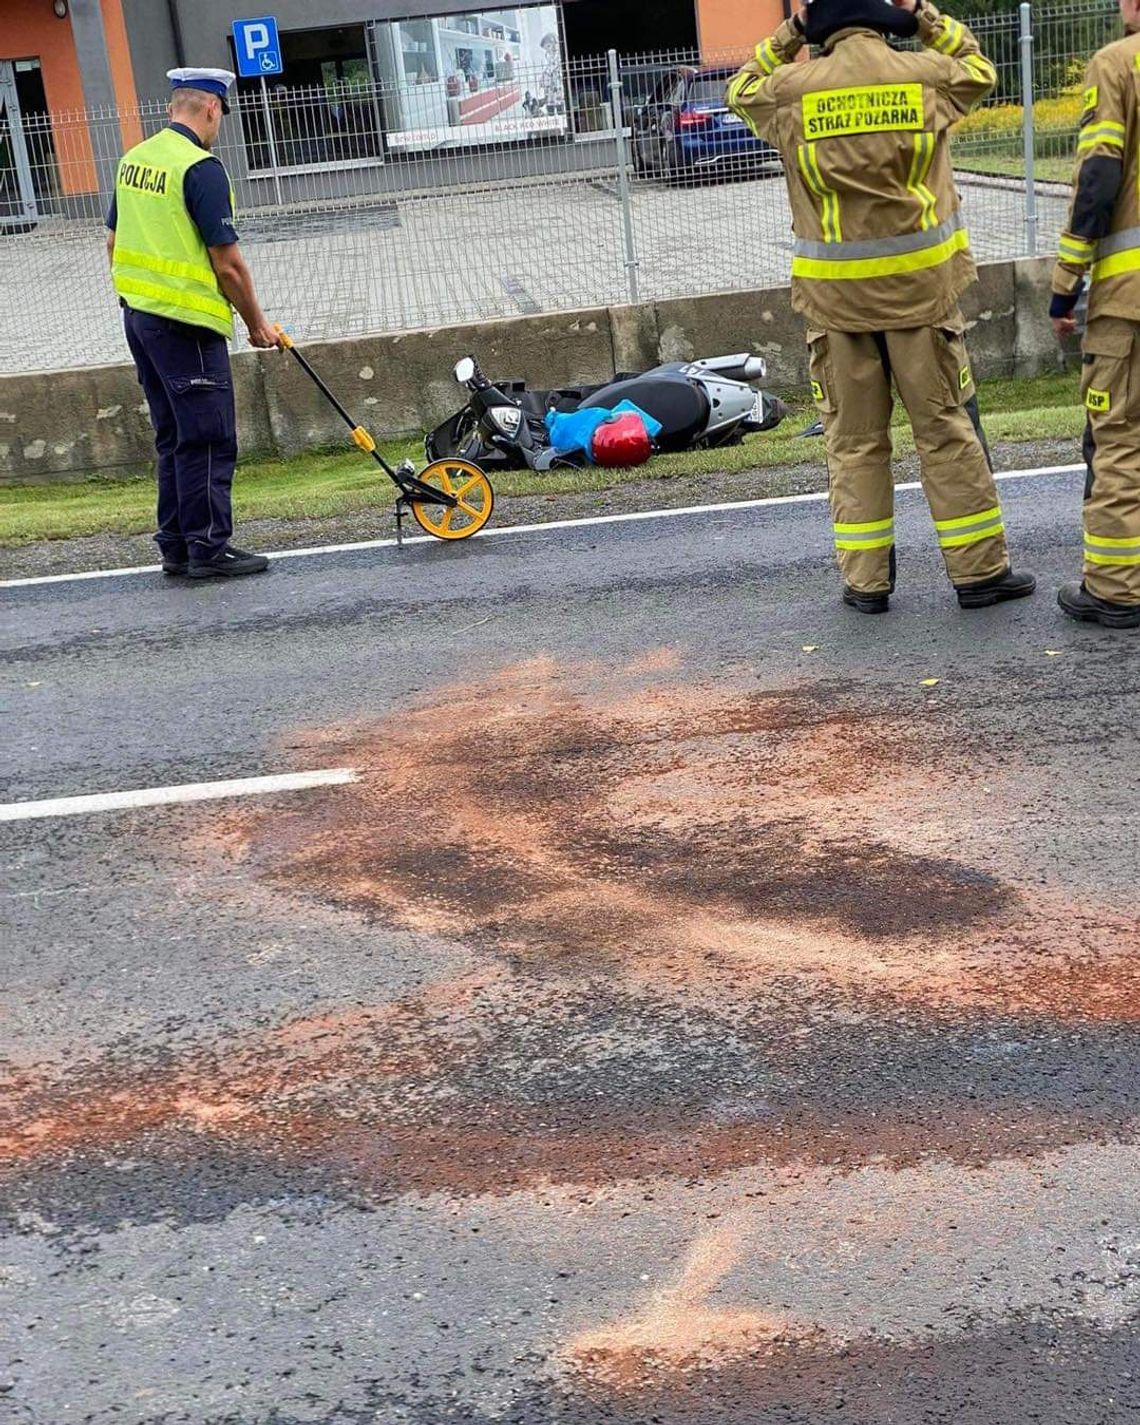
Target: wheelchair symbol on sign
270,64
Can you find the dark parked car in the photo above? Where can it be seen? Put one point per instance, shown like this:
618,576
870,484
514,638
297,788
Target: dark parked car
685,129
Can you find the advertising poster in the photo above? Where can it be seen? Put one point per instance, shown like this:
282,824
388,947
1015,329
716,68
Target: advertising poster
483,77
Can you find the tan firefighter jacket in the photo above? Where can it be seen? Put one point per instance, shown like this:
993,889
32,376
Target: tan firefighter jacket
864,134
1102,240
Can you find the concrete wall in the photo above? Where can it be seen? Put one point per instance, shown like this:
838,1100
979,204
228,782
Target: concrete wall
64,425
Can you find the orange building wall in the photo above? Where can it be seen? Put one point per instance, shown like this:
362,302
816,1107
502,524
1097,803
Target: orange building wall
32,31
736,26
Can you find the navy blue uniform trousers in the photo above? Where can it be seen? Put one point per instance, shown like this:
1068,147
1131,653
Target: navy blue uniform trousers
185,375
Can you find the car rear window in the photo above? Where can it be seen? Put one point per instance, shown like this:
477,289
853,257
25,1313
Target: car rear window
707,91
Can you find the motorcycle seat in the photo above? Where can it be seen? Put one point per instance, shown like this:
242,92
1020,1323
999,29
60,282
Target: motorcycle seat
537,403
682,408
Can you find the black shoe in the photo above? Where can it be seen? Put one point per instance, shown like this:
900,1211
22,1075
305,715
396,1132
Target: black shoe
176,568
231,563
1078,603
996,591
866,603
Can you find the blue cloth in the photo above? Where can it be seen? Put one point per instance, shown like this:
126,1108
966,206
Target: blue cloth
206,189
652,424
572,432
185,375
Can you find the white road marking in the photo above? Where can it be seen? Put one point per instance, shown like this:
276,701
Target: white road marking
172,796
771,502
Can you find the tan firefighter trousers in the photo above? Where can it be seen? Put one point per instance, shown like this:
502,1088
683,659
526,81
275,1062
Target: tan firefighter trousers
1111,388
851,376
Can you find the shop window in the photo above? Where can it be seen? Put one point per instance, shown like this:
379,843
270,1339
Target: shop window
322,110
481,77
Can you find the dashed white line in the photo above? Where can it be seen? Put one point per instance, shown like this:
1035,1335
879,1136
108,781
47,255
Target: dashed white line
173,796
631,518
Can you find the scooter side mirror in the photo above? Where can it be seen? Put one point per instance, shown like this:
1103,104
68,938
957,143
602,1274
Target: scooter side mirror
465,370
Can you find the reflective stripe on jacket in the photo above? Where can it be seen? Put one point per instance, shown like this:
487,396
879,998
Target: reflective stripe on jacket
864,133
161,262
1102,238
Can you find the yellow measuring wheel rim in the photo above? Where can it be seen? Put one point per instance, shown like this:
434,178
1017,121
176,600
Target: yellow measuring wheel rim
469,486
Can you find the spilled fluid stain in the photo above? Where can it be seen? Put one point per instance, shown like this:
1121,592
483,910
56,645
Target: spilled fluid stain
564,825
575,822
680,1330
851,1253
629,856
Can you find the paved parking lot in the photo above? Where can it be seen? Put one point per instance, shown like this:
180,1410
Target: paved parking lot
437,259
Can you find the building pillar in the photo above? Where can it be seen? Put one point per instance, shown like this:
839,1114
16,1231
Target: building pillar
99,96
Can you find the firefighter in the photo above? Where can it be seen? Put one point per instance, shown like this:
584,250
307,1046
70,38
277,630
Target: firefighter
882,257
1102,243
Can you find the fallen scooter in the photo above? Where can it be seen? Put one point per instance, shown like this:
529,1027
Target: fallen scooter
700,405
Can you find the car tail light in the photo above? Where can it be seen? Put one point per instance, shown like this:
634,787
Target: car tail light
695,118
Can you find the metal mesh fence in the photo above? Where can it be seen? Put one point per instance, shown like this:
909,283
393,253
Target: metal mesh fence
370,207
1048,59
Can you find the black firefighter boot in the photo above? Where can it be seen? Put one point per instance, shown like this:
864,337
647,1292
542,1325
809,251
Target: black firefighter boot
996,591
1078,603
866,603
879,603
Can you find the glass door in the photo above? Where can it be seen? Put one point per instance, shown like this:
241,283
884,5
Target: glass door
18,210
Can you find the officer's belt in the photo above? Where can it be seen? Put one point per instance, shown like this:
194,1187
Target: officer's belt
882,247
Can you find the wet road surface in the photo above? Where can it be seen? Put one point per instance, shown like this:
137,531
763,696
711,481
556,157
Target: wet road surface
707,1004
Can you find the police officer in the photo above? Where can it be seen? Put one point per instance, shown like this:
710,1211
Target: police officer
179,273
1102,242
882,257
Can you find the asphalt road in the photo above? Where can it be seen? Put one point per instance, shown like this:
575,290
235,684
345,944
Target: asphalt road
693,1013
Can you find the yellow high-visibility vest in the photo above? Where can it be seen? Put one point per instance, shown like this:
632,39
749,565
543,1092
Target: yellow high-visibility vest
161,263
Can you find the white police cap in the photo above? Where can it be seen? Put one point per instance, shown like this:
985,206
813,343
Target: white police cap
210,81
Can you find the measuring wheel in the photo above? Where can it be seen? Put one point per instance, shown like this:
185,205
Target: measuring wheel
472,490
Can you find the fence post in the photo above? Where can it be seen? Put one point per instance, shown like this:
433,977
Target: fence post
1029,139
272,138
624,193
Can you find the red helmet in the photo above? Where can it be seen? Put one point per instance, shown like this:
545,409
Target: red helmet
622,441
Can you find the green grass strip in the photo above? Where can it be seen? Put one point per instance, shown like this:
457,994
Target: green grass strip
327,484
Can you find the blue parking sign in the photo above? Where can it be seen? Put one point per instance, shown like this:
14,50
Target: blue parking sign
257,47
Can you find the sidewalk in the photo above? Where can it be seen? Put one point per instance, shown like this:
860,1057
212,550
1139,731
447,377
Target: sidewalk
432,260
